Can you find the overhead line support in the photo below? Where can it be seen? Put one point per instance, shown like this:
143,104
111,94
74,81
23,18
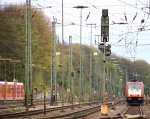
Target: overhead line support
91,72
81,64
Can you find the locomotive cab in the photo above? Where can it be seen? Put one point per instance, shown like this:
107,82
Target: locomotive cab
134,93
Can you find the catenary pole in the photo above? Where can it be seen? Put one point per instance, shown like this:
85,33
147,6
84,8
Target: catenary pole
62,56
91,72
53,64
81,77
71,73
27,53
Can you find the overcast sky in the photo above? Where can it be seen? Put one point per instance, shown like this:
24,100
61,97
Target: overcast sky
127,40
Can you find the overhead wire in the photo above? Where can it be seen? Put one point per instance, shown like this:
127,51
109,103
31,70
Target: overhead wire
85,0
74,15
142,3
132,6
132,32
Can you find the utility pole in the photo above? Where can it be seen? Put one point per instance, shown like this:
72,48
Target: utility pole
96,89
71,73
53,64
62,57
99,67
80,88
28,61
91,72
110,83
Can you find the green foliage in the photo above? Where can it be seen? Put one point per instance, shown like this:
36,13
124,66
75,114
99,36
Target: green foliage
12,45
13,35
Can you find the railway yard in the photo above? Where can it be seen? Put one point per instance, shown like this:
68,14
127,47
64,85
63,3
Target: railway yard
44,74
85,110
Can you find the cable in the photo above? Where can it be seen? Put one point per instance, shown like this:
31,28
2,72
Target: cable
132,6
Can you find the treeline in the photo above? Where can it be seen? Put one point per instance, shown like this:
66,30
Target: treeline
12,45
12,40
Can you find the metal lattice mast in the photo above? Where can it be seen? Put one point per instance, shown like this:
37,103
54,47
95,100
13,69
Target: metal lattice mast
91,72
72,73
69,72
62,56
27,53
81,64
80,95
30,58
98,73
53,63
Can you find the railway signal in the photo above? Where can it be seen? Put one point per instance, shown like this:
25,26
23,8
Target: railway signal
105,26
101,47
106,52
107,49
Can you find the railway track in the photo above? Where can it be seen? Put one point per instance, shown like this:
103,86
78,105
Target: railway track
76,114
11,103
133,112
129,112
86,109
14,103
39,111
29,113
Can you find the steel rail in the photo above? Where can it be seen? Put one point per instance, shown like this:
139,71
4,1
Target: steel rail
131,109
39,111
77,114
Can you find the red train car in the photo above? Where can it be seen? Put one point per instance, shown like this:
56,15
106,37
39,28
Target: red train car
134,93
11,90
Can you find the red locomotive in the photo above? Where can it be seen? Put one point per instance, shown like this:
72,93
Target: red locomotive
11,90
134,93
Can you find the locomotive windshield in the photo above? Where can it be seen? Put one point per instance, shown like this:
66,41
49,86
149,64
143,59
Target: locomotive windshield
134,86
